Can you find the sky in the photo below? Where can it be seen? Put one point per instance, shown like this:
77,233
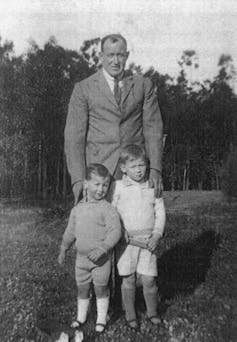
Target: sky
157,31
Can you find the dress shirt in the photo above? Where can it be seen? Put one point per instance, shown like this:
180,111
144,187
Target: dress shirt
110,80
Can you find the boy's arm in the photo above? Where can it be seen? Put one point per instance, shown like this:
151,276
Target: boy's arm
112,222
160,219
113,235
68,237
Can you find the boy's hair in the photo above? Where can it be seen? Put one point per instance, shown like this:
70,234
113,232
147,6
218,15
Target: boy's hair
132,152
97,169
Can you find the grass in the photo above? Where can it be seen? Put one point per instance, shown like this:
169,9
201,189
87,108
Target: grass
196,275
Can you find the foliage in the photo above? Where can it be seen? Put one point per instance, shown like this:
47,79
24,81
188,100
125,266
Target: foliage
199,118
229,175
36,91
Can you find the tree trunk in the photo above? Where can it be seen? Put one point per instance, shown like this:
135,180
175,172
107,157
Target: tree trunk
216,176
200,185
25,173
172,184
58,176
187,175
39,168
184,178
64,176
44,176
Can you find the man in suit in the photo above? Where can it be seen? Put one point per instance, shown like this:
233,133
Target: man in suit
108,111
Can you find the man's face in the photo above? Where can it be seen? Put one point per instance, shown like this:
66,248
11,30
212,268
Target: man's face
135,169
114,57
97,187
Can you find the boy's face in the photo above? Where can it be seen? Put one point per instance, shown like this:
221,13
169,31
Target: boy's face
97,187
135,169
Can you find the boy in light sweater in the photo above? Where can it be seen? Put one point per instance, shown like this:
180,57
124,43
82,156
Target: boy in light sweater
143,219
94,226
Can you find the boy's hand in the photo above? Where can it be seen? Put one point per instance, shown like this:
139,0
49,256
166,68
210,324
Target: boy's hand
95,254
61,258
153,242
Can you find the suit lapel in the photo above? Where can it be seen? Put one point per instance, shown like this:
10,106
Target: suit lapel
105,89
127,86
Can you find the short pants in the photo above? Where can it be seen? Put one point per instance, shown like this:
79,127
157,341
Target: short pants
86,271
136,259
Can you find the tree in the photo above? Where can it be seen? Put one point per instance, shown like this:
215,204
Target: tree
201,121
12,142
50,74
90,52
189,63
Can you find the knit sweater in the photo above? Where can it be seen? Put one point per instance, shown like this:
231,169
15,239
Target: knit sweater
93,224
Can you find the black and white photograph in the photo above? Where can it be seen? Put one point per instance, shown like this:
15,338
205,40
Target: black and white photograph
118,170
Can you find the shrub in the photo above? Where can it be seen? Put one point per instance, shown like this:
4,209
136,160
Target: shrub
229,175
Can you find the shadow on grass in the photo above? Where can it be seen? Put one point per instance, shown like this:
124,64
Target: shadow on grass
57,309
184,267
56,305
181,270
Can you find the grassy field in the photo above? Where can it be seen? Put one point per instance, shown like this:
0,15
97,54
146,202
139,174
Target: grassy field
196,275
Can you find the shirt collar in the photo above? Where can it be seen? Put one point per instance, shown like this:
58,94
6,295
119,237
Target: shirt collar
110,78
84,200
127,181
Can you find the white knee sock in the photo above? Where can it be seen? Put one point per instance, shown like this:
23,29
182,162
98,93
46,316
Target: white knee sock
82,309
102,305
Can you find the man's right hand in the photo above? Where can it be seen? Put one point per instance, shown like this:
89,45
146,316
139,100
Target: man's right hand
77,191
61,257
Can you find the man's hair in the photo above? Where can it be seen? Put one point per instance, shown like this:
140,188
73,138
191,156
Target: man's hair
98,170
132,152
113,38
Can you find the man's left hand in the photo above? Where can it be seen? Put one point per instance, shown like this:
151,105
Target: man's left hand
155,181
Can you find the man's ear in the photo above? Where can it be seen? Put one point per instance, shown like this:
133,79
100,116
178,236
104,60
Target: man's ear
101,55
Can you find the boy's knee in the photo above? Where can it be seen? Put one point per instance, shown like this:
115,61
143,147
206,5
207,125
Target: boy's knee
101,291
129,282
83,291
149,282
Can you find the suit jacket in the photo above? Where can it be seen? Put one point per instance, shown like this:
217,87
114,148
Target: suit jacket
97,128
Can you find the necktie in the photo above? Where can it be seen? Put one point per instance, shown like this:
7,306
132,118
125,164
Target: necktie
117,91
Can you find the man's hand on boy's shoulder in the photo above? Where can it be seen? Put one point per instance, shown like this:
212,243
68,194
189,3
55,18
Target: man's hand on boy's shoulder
155,181
61,258
77,191
96,254
153,242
